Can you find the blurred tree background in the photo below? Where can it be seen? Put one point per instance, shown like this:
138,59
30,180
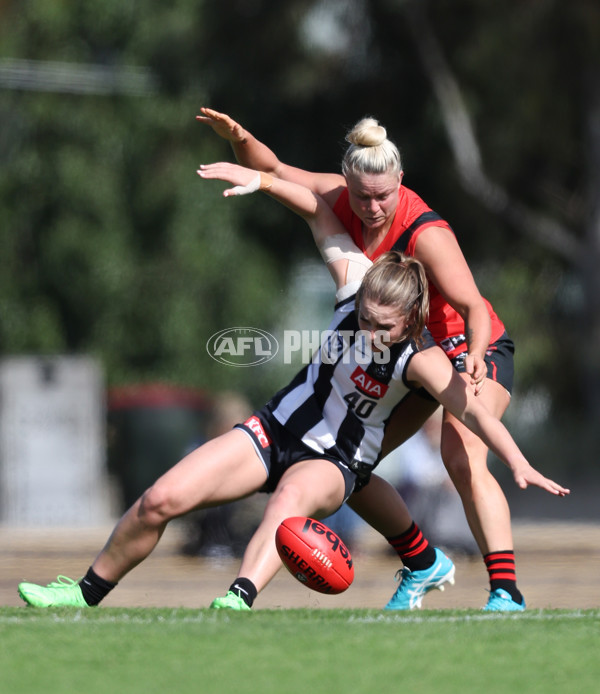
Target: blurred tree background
112,246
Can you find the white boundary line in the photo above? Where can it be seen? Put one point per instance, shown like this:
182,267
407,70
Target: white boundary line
212,616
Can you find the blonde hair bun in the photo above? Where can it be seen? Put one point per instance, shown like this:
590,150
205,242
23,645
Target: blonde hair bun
367,133
370,151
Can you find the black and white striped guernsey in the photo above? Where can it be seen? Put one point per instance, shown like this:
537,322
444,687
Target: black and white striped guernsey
340,402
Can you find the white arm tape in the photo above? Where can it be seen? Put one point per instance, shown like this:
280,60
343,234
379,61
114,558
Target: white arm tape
342,247
346,291
252,187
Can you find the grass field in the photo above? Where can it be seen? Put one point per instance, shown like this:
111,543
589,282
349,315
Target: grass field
149,650
296,640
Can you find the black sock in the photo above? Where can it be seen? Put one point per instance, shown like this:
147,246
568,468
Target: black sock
94,588
245,589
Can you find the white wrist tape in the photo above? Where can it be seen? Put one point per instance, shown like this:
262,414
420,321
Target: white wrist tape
342,247
262,181
251,187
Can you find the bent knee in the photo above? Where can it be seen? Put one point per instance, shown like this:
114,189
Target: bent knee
157,505
467,473
287,499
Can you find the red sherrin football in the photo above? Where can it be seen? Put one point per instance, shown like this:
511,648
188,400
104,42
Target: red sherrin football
314,555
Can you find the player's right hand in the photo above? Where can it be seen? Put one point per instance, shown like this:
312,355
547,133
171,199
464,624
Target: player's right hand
244,180
222,124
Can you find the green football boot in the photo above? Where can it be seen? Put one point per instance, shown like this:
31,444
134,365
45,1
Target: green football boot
65,592
231,601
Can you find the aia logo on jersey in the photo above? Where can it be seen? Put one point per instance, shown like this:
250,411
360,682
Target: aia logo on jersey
367,384
253,423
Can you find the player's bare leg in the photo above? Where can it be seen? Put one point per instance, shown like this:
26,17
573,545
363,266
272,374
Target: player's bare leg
486,508
465,457
310,488
224,469
382,507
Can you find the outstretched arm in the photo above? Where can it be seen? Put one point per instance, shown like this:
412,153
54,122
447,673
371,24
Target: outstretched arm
326,229
296,197
432,370
254,154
